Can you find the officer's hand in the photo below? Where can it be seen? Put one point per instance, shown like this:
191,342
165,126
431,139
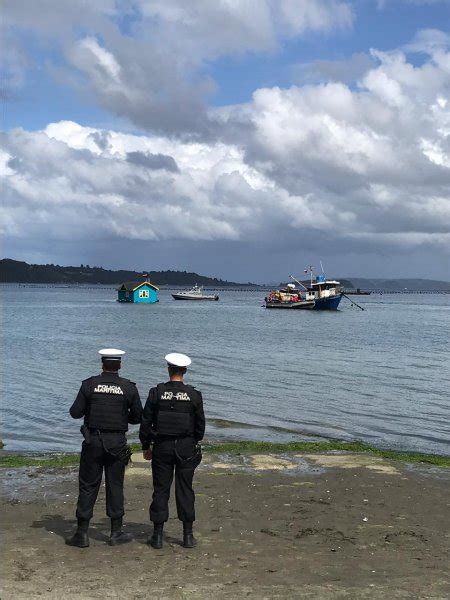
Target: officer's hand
147,454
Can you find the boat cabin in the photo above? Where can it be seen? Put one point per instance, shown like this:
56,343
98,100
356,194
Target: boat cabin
138,291
323,288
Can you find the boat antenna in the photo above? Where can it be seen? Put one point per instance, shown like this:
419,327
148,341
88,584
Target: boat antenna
299,282
311,272
321,266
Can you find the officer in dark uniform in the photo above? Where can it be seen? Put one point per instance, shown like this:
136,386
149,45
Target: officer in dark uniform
108,403
172,425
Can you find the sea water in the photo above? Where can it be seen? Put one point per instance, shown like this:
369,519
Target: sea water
381,375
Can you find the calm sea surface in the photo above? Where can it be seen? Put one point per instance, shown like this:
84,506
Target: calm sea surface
382,375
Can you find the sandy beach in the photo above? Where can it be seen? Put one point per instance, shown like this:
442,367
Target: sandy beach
269,526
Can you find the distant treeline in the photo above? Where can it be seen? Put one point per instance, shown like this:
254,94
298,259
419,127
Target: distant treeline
14,271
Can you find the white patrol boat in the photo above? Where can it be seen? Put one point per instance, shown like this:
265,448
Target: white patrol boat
195,293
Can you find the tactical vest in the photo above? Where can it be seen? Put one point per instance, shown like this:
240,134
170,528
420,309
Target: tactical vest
175,415
108,404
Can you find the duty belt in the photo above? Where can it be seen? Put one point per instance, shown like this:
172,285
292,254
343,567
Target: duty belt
121,451
164,437
96,431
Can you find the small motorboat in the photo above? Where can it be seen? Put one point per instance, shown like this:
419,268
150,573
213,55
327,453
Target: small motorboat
195,293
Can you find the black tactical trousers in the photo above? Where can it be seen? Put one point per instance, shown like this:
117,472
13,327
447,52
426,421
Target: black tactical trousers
94,458
168,456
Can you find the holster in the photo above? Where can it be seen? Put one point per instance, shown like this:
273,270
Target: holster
121,451
86,434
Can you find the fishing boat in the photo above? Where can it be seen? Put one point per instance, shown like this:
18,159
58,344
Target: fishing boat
321,294
327,293
289,297
195,293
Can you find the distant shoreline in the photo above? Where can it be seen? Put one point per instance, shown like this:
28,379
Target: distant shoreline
14,271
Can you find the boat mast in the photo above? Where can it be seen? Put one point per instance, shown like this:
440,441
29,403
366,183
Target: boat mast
299,282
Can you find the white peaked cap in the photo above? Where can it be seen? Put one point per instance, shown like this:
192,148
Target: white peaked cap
113,353
175,359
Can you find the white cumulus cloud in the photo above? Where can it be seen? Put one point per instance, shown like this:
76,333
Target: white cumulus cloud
146,61
366,163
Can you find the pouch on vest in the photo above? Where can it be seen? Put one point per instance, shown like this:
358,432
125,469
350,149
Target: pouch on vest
173,423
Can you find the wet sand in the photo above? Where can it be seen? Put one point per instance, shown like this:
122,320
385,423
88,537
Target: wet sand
268,526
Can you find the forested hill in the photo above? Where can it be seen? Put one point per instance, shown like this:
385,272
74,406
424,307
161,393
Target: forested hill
14,271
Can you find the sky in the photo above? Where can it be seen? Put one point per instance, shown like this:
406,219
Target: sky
243,139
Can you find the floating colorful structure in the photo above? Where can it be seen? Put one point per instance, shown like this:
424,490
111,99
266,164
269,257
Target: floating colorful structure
138,291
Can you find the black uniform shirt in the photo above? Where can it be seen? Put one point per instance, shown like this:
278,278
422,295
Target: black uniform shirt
148,429
108,402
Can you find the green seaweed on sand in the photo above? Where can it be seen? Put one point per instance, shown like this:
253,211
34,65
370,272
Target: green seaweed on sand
41,460
244,447
356,446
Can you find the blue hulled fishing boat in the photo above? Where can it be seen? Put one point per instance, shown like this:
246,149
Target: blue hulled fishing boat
321,294
327,293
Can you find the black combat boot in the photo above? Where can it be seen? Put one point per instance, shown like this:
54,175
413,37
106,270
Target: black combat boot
117,535
156,541
189,540
80,538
